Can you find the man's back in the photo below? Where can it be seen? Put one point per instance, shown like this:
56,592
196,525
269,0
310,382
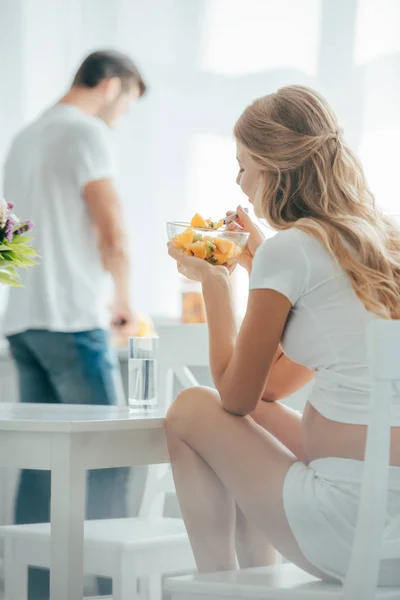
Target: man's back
60,174
47,168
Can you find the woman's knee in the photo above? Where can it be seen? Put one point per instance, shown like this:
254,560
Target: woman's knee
189,405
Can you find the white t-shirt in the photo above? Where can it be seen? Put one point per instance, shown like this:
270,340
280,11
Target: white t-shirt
326,328
47,168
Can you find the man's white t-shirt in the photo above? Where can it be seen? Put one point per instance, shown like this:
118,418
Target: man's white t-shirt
47,168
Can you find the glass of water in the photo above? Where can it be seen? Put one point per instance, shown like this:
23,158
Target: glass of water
143,372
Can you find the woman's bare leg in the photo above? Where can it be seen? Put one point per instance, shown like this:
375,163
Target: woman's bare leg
253,548
283,423
219,459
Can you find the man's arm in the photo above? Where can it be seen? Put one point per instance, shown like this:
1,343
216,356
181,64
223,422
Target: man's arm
105,209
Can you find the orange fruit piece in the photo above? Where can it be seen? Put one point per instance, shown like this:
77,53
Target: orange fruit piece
220,257
198,249
224,245
198,221
184,239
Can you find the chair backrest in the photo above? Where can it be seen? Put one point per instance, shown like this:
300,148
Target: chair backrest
181,346
384,362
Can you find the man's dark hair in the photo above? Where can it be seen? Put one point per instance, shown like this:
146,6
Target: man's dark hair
104,64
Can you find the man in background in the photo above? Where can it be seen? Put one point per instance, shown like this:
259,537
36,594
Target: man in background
60,173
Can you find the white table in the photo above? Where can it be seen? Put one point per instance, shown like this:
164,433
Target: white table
68,440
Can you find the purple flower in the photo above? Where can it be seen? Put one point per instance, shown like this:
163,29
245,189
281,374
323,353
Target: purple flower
9,230
26,226
10,205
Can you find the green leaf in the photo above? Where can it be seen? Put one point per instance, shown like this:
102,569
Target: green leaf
15,255
20,251
6,256
11,270
8,279
28,251
22,239
27,262
23,252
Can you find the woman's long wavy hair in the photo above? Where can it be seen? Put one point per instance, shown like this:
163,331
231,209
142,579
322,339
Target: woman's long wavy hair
310,179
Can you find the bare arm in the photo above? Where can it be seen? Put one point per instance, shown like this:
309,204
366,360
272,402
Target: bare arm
240,365
105,209
285,378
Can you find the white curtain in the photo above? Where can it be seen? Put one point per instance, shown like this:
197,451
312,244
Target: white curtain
204,60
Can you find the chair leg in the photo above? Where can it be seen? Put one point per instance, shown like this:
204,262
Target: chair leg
125,584
150,588
128,587
155,588
15,574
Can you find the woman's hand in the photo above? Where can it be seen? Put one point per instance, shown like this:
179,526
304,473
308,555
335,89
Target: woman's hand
256,237
196,268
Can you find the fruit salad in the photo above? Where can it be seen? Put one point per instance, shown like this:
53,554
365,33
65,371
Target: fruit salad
215,250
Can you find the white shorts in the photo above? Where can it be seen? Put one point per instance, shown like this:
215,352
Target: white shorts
321,503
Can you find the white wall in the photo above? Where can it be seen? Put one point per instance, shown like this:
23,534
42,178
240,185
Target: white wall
204,61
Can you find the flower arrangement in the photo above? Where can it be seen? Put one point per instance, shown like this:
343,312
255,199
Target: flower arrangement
15,251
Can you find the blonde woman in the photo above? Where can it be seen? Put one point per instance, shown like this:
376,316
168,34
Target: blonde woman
251,474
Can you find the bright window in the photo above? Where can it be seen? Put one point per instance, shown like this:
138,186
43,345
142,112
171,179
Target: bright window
212,172
380,155
377,29
245,37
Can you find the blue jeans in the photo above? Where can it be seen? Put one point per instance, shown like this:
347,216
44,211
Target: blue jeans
68,368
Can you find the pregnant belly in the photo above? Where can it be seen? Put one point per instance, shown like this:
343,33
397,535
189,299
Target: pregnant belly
323,437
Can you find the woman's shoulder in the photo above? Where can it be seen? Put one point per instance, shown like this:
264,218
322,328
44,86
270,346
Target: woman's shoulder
286,251
297,250
282,263
292,239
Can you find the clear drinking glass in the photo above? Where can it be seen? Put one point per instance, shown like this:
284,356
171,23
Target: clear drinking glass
143,365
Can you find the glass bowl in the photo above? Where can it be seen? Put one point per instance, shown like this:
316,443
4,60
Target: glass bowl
216,246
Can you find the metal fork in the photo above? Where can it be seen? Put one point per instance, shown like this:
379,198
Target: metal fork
228,219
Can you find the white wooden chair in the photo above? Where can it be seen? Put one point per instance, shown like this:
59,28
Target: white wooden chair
287,582
134,552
